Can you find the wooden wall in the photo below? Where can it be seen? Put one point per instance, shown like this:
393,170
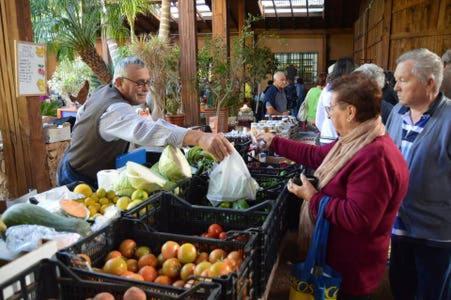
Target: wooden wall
387,28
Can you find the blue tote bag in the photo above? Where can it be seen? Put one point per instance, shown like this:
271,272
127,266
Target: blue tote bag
313,279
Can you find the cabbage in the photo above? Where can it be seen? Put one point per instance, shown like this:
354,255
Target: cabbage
170,185
173,164
143,178
123,186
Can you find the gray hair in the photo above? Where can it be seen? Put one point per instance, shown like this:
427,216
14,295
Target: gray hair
374,72
426,64
446,58
278,74
121,66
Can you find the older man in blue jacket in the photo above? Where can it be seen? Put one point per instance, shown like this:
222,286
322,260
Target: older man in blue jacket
420,263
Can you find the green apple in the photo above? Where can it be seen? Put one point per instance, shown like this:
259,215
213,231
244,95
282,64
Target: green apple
133,204
123,202
140,195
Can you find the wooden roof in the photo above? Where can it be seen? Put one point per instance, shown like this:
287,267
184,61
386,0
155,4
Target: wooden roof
337,14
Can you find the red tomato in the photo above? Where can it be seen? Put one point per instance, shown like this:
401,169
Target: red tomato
223,235
214,230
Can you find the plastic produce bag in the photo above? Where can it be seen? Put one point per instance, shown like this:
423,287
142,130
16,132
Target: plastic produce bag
29,237
231,181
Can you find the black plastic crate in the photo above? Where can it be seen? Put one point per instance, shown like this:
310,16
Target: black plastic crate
35,282
168,213
241,144
49,279
279,170
194,190
81,284
237,285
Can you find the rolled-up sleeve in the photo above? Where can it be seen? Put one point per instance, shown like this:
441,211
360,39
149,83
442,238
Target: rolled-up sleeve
121,121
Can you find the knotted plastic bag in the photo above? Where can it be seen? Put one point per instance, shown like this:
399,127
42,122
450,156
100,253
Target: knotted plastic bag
231,181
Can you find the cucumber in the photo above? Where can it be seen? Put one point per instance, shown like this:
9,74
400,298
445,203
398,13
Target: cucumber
26,213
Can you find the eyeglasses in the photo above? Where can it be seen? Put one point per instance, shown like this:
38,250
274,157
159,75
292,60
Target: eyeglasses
140,83
328,109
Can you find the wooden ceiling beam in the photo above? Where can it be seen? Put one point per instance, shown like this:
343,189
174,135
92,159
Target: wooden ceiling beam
275,12
292,14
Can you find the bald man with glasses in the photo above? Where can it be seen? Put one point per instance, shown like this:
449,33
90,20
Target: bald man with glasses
108,123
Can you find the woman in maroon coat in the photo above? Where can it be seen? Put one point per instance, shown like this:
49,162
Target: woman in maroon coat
366,177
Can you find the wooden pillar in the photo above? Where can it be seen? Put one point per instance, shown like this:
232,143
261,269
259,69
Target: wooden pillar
388,4
20,120
241,15
365,34
220,20
325,58
188,61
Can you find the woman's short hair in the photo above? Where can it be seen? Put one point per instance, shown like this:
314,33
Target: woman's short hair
360,91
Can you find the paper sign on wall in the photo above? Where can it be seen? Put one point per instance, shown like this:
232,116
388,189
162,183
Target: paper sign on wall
31,69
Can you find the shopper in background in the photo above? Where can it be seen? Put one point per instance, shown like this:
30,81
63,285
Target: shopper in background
308,107
364,174
376,73
328,133
420,125
275,97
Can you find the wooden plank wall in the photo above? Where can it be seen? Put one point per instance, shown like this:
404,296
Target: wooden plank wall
387,28
20,121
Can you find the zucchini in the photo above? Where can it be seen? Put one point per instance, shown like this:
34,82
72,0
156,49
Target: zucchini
26,213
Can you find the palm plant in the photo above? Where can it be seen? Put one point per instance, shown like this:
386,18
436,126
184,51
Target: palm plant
163,32
116,12
71,27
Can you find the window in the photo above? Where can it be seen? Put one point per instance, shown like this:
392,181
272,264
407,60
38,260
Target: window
291,8
305,62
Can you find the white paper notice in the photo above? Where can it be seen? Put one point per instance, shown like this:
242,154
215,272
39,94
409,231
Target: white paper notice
30,69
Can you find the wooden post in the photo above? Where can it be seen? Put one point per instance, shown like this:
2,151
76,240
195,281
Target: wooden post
21,123
365,34
388,4
220,28
241,15
188,61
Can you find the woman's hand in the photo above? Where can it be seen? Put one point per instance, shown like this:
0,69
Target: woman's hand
267,138
304,191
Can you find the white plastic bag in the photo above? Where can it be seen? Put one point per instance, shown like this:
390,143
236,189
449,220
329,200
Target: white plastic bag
29,237
231,180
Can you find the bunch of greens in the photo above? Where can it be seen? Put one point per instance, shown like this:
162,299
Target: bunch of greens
200,159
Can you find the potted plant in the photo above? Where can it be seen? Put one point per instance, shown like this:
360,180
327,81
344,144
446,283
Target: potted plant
162,60
218,75
224,78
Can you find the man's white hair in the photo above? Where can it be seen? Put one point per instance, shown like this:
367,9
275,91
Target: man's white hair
120,70
278,74
374,72
427,65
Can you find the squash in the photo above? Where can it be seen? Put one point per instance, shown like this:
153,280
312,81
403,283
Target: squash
74,209
26,213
